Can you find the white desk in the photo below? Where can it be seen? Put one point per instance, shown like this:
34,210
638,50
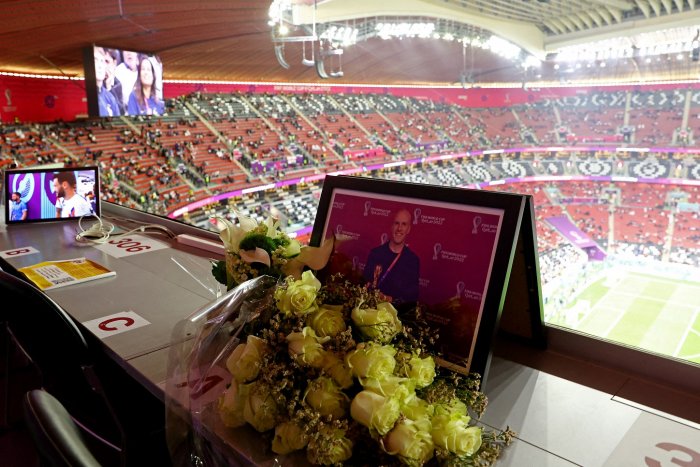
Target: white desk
559,423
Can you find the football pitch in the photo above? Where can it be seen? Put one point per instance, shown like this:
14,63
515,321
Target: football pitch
643,310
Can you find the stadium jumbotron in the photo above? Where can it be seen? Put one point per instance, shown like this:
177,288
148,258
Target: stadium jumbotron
593,108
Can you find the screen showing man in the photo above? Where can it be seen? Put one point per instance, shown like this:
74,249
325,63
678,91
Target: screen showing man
392,267
107,103
68,202
18,208
112,84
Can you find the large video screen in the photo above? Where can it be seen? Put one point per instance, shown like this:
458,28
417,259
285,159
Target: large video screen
122,82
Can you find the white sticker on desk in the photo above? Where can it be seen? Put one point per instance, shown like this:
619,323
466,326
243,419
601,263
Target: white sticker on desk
130,245
655,441
115,324
15,252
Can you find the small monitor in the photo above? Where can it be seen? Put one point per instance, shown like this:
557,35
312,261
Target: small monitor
51,194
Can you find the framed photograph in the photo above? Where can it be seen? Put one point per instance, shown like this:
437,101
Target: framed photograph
450,250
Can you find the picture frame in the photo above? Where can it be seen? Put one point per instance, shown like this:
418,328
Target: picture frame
465,241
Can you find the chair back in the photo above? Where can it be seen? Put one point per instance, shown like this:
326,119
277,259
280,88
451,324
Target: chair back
54,343
55,435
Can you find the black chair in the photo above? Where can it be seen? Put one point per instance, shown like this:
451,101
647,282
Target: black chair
54,344
55,435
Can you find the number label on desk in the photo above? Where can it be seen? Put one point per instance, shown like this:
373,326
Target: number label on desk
15,252
115,324
131,245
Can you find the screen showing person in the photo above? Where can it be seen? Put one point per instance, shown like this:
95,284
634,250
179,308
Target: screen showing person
50,194
144,98
107,103
393,267
127,73
18,208
111,83
69,202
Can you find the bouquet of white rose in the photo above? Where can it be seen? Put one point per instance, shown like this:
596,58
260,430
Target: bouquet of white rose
329,374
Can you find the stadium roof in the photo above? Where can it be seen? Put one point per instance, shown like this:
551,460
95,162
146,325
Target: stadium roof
232,40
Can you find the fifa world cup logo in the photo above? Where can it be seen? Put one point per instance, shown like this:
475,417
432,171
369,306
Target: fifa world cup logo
477,223
338,229
460,289
437,248
416,215
8,97
384,238
368,204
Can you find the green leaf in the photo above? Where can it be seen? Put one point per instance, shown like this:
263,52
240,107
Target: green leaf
218,270
256,240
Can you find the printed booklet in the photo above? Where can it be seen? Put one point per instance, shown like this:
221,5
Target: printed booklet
54,274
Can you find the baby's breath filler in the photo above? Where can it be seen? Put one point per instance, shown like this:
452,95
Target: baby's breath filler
330,371
343,394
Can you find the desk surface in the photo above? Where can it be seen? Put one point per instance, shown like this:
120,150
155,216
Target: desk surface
153,284
559,423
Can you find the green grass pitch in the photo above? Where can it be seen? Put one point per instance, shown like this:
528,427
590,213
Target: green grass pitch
642,310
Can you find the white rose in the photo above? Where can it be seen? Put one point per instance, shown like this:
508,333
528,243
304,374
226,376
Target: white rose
327,321
231,405
324,396
245,360
260,409
411,441
305,347
370,360
289,437
374,411
379,324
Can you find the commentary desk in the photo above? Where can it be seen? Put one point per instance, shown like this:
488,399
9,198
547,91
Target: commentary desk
566,420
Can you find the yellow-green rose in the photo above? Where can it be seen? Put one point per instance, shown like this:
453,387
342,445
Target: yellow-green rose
260,408
299,298
338,370
420,370
371,360
411,441
327,321
289,437
390,386
324,396
329,447
375,411
416,408
451,431
231,405
245,360
379,324
453,409
305,347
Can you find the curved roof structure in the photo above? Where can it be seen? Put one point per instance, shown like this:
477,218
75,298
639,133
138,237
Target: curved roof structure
231,40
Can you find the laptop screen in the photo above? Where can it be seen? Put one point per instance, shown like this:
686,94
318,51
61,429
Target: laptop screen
51,194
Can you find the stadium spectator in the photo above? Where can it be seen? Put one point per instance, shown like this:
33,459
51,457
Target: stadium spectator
143,99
